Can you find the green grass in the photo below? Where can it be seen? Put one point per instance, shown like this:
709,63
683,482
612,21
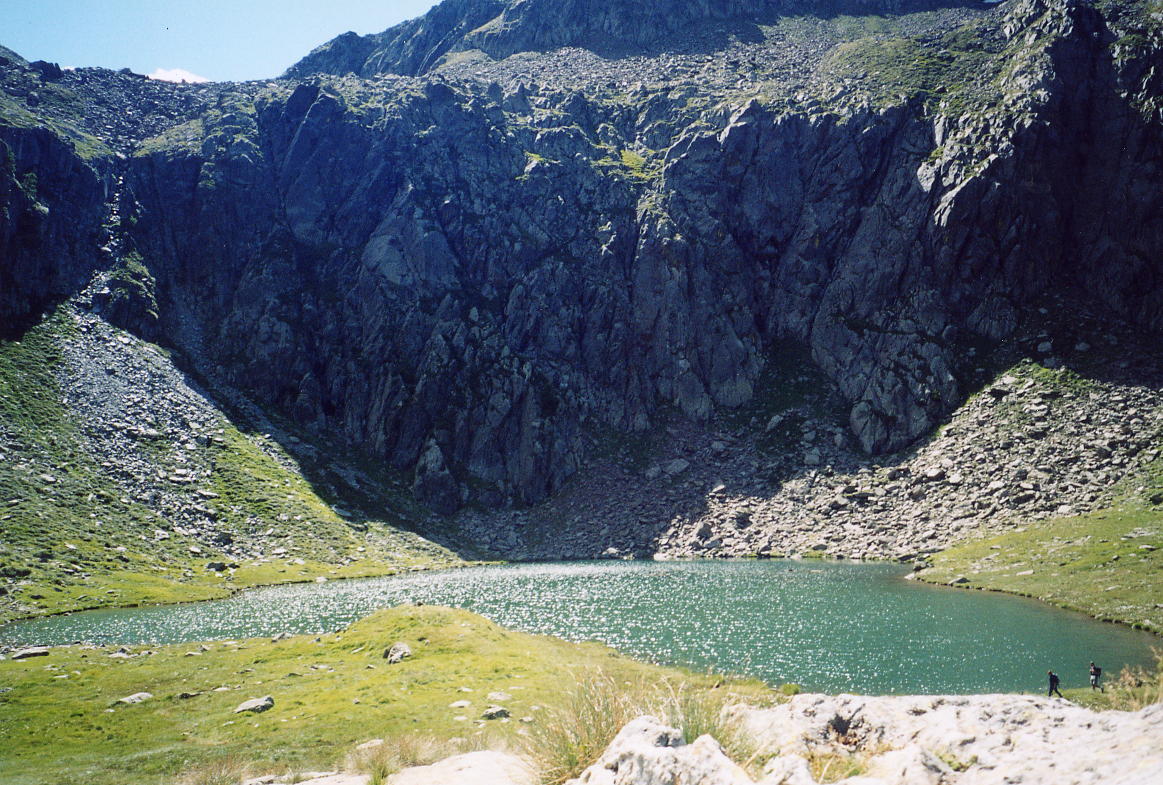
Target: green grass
61,112
400,752
636,164
886,68
330,692
1092,563
131,281
625,164
186,137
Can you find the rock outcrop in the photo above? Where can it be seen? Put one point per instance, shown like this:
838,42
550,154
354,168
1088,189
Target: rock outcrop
968,740
50,229
953,740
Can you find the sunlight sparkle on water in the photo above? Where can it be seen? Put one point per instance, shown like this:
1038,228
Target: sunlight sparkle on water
832,627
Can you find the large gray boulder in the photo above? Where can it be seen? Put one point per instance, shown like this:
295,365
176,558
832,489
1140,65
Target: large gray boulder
397,653
137,697
255,705
434,483
30,652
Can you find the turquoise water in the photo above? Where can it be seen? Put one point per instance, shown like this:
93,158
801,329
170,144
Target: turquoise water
830,626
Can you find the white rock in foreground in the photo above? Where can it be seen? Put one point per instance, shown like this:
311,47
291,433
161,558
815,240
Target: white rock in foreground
922,740
473,768
989,739
646,752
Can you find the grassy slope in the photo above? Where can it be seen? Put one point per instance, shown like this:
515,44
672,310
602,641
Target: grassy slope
1093,563
71,539
60,729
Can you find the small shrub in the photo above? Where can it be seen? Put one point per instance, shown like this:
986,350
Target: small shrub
400,752
571,735
954,762
1137,688
223,771
704,714
833,766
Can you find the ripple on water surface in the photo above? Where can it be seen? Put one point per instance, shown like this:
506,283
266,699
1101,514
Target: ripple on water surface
828,626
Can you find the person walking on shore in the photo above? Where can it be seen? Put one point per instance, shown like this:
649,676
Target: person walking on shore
1053,685
1095,677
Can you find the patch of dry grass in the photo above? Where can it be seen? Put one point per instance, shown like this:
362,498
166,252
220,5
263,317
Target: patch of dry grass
574,732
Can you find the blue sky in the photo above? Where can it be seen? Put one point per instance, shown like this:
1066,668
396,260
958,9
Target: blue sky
216,39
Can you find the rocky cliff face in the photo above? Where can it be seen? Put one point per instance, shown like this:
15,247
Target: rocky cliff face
51,225
473,276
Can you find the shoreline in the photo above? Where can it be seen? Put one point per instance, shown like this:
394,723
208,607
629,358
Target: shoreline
232,591
1029,596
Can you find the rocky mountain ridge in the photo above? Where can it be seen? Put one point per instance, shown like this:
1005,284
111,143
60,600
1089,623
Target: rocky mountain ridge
618,28
476,277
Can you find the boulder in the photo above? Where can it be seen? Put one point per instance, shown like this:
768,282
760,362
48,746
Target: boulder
397,652
312,778
137,697
646,752
256,705
495,713
32,651
916,740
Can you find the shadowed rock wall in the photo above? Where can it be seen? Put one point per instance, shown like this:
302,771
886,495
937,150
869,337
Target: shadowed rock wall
50,224
463,292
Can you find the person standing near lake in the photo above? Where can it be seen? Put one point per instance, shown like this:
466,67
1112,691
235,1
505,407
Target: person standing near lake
1095,676
1053,685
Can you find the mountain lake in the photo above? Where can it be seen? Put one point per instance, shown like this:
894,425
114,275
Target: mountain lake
828,626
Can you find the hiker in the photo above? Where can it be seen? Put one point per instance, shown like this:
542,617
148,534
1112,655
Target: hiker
1053,685
1095,676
